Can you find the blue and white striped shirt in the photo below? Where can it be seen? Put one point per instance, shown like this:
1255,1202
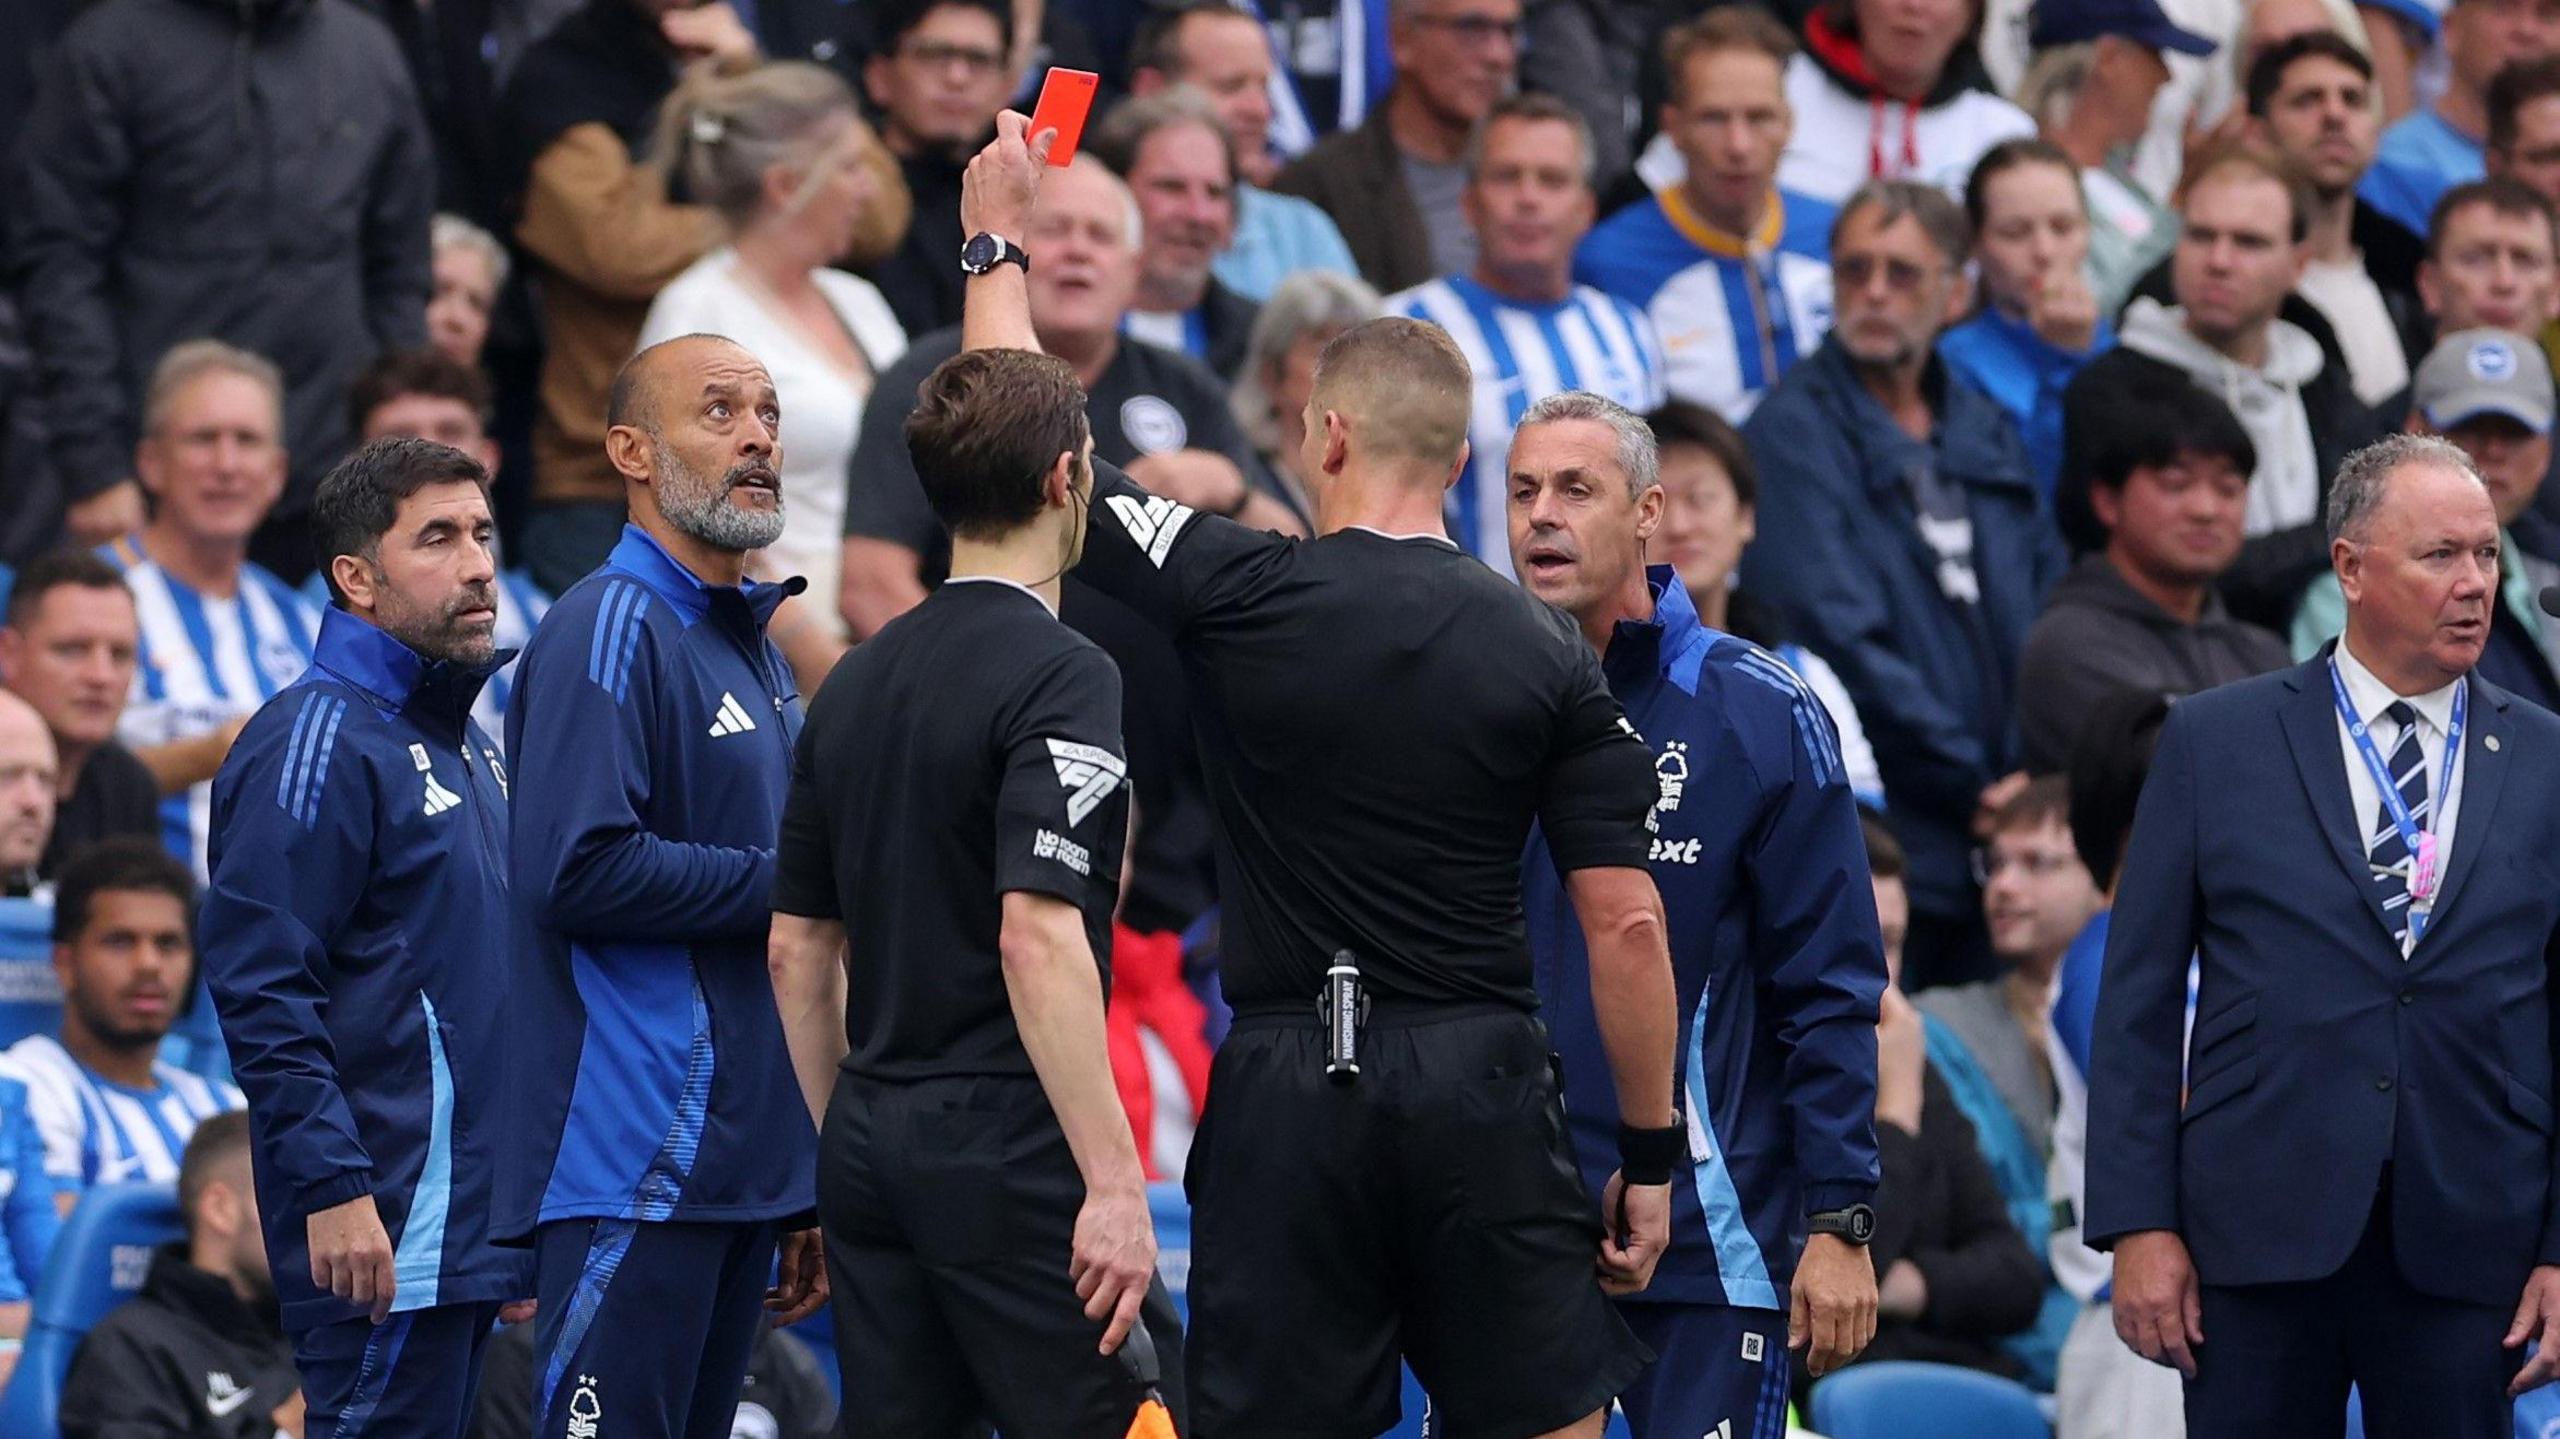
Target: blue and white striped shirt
1521,353
99,1132
1735,312
205,662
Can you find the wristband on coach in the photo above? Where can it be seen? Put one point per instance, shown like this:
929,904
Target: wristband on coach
1647,1156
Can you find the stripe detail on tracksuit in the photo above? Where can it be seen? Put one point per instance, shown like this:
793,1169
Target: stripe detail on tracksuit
1746,1274
306,768
610,1241
373,1376
662,1184
617,638
418,1266
1813,722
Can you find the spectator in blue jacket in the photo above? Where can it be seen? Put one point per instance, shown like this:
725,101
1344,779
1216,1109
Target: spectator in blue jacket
356,937
1902,538
2039,321
660,1144
1773,942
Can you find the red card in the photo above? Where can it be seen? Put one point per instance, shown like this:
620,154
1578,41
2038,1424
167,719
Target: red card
1066,98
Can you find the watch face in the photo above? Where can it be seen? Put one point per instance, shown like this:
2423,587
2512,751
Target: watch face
1862,1223
980,253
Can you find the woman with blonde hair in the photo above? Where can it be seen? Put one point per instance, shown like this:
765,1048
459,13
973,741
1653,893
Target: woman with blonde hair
782,155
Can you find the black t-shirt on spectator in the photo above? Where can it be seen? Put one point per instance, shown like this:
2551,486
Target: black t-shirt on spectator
1380,721
969,750
116,795
1147,401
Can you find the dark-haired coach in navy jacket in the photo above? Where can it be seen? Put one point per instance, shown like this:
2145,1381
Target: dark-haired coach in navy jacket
2363,857
354,941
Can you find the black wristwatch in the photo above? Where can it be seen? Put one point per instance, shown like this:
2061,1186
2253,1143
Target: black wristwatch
1855,1224
984,251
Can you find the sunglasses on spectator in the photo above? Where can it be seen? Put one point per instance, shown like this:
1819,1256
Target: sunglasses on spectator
1900,275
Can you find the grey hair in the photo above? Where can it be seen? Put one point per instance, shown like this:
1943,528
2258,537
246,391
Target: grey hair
1938,216
2363,479
452,232
1638,455
718,134
2054,79
1307,303
1131,122
192,360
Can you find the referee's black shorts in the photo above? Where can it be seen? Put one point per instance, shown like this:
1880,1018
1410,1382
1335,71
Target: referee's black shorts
949,1207
1429,1209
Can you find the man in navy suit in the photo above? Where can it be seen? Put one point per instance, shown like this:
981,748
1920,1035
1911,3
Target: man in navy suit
2352,1179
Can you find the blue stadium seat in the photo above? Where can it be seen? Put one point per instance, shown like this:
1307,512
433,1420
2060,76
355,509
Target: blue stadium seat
1891,1400
97,1263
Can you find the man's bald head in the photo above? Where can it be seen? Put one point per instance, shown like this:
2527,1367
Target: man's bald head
639,387
29,778
1400,385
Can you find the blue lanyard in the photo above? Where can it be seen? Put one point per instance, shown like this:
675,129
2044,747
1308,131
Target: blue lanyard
2412,834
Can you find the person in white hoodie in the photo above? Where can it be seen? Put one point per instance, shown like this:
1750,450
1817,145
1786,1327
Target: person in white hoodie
1883,90
2245,223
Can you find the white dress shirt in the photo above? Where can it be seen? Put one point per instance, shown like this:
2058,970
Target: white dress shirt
2369,697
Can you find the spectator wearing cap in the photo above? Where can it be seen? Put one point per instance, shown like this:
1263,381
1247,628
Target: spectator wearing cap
2435,148
2311,100
2160,497
1180,163
2241,247
256,171
2524,141
2490,393
1218,49
2098,67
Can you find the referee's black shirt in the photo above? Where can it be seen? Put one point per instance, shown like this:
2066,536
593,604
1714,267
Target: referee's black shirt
1380,721
970,749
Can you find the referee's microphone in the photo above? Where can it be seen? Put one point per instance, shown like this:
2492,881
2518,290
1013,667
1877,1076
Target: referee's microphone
2551,600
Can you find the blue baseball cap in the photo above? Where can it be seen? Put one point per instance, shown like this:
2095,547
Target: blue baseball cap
2070,22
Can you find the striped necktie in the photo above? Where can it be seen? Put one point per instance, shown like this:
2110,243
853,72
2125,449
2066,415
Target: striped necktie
2386,850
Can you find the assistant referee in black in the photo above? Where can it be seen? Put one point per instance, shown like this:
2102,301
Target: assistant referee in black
949,862
1381,718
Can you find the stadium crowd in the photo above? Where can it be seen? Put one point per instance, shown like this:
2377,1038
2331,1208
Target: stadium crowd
2001,356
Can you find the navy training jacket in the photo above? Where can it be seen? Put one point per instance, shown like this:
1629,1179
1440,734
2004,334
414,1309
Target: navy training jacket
1775,956
354,938
651,731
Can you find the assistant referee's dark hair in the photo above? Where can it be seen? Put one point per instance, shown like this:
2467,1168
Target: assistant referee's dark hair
359,500
987,426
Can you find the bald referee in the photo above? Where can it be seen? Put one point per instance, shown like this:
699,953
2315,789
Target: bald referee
955,820
1381,718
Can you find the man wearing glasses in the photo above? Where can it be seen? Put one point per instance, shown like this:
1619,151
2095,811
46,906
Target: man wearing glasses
936,83
1393,184
1902,539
